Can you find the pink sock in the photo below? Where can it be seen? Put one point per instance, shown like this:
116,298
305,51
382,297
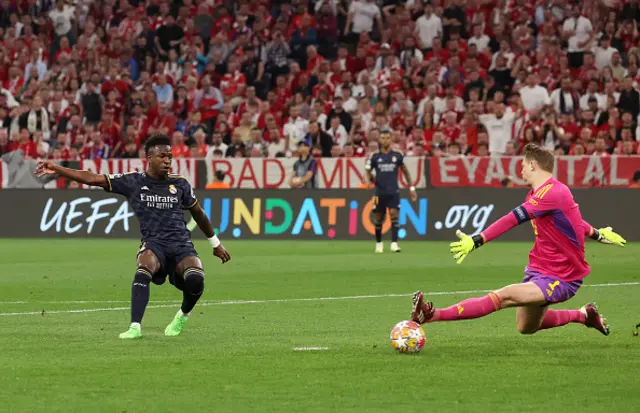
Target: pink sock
557,318
470,308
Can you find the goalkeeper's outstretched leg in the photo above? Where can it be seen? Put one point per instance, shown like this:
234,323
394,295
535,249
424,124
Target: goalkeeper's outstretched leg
532,314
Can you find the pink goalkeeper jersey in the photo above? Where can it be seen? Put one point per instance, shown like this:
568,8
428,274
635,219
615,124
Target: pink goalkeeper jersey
559,229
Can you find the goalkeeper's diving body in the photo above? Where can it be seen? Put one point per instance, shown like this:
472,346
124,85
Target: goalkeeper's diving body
556,266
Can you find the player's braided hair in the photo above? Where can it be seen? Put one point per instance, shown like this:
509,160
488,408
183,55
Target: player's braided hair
156,140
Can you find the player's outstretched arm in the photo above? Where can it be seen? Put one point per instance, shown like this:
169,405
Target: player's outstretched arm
200,217
603,235
44,168
466,244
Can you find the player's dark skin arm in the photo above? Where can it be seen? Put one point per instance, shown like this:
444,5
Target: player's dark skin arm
84,177
370,179
407,177
204,224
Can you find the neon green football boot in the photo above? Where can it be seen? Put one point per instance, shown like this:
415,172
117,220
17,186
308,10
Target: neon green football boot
177,324
134,331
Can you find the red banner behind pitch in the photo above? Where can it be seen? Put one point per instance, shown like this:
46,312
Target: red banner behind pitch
575,171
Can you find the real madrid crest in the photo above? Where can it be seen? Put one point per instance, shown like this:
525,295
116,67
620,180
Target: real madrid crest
173,189
393,159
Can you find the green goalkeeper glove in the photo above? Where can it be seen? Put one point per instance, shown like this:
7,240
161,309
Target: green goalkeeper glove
460,249
607,236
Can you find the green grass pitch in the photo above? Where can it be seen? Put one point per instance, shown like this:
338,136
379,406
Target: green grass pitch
237,356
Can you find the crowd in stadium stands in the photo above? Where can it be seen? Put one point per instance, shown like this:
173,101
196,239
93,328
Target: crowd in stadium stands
252,78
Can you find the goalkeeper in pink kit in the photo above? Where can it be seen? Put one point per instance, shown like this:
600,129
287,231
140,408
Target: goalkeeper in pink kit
556,263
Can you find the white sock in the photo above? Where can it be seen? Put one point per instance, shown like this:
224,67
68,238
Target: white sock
137,326
185,315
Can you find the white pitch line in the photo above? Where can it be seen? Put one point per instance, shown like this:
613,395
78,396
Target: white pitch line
311,348
282,300
228,302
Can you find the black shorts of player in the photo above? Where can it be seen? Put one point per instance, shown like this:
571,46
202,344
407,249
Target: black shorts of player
169,255
382,202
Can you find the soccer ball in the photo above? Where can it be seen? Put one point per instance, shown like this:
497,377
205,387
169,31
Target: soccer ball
407,337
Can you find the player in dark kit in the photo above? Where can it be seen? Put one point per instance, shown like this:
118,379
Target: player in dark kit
158,199
385,163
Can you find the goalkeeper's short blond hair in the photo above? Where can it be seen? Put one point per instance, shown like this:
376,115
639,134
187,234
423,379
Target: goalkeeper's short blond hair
543,156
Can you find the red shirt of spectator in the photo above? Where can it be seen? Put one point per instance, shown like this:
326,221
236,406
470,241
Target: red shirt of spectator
228,116
296,22
14,82
233,82
179,149
164,123
75,131
251,100
567,124
449,127
322,85
295,76
359,147
113,108
139,121
267,113
313,59
337,77
110,131
437,51
208,100
26,145
271,135
113,83
282,92
370,47
129,25
348,62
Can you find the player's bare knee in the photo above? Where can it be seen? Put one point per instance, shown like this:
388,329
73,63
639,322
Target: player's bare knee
193,280
506,298
149,261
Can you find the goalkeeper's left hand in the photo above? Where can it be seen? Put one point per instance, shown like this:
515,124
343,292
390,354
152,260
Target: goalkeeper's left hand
460,249
607,236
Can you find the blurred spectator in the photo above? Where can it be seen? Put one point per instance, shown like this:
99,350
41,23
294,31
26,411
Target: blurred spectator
277,144
499,127
217,145
130,150
337,132
507,182
218,181
179,147
428,27
635,181
4,142
21,171
362,16
92,104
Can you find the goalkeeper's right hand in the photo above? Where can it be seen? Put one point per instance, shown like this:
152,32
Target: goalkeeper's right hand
460,249
607,236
